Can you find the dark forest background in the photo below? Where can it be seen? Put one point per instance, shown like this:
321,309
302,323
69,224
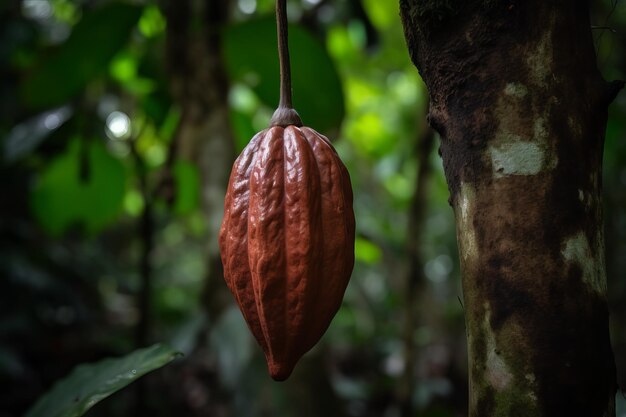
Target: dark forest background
118,125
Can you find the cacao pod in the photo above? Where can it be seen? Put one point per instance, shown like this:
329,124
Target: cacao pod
287,240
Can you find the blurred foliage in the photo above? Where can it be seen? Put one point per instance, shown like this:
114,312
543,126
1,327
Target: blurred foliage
256,66
88,139
61,74
79,188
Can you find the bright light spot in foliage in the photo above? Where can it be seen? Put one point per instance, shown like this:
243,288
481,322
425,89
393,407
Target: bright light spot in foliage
36,9
242,98
394,365
312,2
437,270
247,6
52,121
118,125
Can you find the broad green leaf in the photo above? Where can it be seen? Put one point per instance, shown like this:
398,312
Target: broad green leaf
89,384
95,39
252,58
65,196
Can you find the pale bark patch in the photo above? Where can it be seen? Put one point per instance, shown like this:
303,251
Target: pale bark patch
521,144
516,158
465,229
530,379
517,90
540,131
541,59
587,199
497,372
578,250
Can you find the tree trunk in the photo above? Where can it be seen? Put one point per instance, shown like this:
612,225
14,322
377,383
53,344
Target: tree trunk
200,85
521,108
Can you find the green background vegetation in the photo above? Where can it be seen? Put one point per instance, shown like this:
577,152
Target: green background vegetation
86,124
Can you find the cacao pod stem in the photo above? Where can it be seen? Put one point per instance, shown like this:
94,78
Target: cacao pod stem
285,114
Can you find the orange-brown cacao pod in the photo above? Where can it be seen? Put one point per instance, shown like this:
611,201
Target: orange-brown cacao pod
287,240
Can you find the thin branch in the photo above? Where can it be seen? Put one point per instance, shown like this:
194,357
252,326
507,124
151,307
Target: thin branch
284,115
283,54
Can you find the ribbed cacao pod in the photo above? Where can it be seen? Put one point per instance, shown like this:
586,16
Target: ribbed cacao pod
287,240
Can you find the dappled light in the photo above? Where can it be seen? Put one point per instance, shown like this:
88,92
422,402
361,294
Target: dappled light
118,125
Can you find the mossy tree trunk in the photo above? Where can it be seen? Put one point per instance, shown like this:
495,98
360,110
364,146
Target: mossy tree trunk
521,108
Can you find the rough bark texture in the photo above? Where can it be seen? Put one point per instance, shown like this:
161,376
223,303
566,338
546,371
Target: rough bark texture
521,109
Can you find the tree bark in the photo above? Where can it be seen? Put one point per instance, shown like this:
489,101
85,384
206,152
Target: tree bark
521,108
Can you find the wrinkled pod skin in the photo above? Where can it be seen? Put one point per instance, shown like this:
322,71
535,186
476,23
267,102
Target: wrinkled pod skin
287,240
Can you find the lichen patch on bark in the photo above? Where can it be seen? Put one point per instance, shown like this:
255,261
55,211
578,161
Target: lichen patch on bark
497,372
516,158
517,90
520,145
577,250
464,214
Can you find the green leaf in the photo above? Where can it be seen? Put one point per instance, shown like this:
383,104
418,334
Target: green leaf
63,197
93,42
89,384
252,58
